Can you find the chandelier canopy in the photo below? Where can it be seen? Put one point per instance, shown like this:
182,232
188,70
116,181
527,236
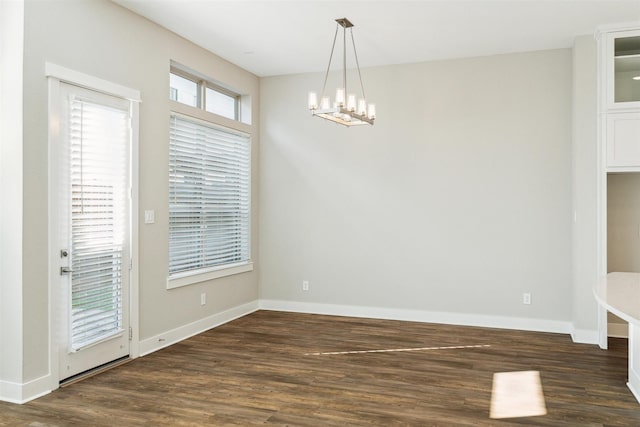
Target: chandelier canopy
346,109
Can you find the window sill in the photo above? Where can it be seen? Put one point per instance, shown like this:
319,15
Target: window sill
190,278
208,117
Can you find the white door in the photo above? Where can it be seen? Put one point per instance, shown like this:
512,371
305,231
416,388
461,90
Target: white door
93,189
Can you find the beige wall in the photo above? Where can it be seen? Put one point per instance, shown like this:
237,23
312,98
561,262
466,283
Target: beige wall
457,200
585,185
623,225
11,53
104,40
623,222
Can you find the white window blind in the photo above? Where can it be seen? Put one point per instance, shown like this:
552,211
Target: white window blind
209,172
98,137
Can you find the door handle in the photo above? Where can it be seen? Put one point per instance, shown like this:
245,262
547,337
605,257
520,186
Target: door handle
65,270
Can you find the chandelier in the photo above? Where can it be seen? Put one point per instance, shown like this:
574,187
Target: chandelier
346,109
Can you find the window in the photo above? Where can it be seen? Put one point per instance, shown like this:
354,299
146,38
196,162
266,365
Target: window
183,90
209,199
220,103
209,180
204,94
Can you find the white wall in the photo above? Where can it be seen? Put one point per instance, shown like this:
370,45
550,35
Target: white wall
585,188
457,200
107,41
11,338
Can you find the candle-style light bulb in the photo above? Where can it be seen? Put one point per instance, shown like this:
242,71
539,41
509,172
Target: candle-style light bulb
340,97
372,111
313,101
351,102
325,103
362,107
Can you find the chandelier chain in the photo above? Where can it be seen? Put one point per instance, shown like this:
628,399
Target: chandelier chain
355,54
333,47
344,61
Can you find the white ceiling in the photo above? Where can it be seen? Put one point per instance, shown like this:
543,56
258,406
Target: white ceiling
270,37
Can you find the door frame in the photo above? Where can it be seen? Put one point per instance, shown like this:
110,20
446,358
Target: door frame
55,75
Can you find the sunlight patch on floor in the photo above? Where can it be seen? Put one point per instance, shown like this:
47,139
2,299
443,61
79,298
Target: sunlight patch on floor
517,394
390,350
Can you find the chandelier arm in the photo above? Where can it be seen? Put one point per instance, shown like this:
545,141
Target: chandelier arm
326,75
344,61
355,54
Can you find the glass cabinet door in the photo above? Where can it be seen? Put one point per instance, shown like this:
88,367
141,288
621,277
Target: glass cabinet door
626,69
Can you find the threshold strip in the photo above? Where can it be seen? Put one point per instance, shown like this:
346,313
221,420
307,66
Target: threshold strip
94,371
391,350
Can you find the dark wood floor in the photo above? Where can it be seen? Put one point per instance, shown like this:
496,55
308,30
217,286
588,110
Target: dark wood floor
257,370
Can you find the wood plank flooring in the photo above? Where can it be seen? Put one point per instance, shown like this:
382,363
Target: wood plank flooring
259,370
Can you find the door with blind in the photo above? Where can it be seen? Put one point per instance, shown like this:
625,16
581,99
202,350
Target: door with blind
93,205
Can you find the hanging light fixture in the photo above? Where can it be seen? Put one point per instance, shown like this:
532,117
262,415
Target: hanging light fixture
346,108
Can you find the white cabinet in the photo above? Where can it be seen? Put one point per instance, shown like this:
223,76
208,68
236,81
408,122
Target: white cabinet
623,139
619,105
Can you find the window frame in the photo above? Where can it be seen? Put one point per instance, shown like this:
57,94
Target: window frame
186,278
202,85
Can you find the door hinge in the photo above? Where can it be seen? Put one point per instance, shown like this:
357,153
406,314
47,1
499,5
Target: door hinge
130,333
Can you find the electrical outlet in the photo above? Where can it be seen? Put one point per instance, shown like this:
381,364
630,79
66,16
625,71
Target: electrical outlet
305,285
203,298
526,298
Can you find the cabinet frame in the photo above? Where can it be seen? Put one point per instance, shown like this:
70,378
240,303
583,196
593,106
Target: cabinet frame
606,107
606,38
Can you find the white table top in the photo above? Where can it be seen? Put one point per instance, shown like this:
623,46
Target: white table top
620,294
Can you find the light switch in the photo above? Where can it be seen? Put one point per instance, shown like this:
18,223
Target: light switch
149,217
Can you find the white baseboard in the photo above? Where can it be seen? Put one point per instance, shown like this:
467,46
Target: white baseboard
173,336
22,393
634,383
618,330
501,322
584,336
